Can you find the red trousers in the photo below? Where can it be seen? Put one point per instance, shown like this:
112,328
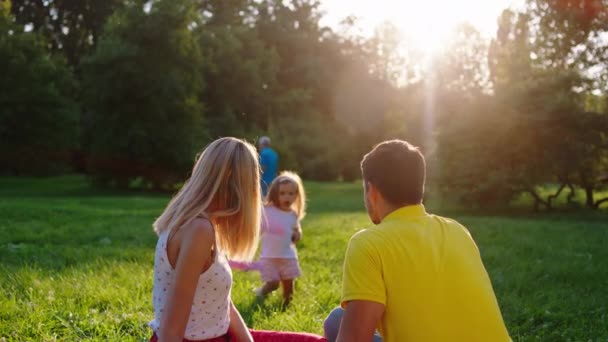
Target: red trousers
224,338
266,336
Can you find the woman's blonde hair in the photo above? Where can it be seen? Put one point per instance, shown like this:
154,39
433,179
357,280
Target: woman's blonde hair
299,205
225,187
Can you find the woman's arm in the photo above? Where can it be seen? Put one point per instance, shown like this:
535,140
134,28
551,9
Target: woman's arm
238,330
193,256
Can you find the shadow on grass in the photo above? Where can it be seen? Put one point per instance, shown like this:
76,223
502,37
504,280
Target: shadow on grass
69,186
53,261
263,307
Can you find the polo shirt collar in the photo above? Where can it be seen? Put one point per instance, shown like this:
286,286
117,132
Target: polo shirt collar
406,212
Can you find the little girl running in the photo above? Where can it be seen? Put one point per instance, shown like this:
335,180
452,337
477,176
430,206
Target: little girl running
285,206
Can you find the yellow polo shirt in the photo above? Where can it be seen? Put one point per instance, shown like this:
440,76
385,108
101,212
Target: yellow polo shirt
428,273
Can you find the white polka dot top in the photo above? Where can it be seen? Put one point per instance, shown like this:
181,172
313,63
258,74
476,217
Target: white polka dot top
210,312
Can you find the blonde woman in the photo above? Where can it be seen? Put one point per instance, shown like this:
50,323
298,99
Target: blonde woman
215,215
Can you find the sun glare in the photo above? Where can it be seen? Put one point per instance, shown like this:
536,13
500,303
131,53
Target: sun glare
431,41
425,24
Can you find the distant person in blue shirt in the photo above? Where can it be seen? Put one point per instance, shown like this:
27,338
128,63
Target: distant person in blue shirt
269,162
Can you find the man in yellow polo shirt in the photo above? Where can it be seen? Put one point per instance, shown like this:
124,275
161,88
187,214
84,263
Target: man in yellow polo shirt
413,276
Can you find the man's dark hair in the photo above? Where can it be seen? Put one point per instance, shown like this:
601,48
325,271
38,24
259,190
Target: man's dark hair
398,170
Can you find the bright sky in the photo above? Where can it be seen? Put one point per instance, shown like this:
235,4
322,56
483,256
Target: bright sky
425,22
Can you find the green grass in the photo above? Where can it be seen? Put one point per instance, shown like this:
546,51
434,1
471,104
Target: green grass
76,265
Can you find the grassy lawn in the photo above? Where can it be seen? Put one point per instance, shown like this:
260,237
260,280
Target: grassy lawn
76,265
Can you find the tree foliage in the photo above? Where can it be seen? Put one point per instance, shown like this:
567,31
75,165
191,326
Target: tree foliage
142,85
72,28
38,115
497,118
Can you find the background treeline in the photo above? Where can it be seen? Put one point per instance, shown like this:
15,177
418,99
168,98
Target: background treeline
129,91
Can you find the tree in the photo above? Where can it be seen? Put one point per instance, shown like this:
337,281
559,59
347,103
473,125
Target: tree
241,70
311,66
225,13
388,59
71,27
592,168
144,118
309,57
472,131
462,66
566,42
562,25
38,118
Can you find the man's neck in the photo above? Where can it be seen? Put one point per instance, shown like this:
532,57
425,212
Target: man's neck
387,209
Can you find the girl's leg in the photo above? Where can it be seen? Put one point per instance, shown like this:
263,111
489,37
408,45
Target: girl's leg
289,271
269,287
287,291
270,276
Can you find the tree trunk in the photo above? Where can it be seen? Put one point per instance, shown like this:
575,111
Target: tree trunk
589,194
538,200
554,196
571,194
599,202
536,206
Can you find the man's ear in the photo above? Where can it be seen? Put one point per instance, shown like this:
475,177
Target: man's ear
372,191
375,194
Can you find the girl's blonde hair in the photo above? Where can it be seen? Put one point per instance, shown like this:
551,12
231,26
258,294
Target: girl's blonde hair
299,205
225,187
